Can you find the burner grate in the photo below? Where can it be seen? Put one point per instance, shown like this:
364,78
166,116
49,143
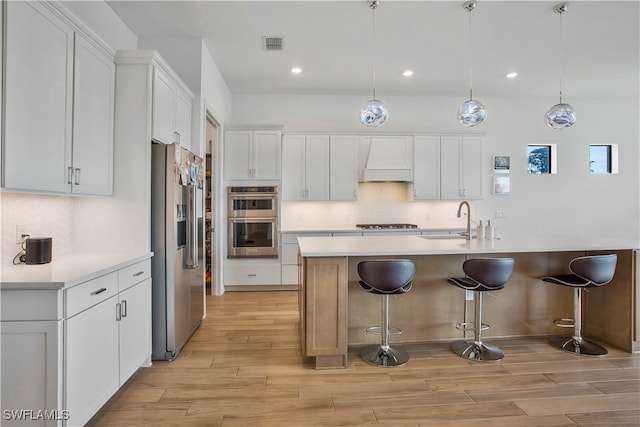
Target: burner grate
386,226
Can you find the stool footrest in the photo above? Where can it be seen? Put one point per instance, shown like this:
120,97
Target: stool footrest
565,323
470,326
377,330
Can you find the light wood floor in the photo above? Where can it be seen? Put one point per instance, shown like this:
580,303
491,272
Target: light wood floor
243,367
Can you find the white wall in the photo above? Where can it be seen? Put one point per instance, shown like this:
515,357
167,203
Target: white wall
103,20
570,202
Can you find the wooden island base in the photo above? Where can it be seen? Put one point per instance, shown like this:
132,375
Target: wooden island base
334,310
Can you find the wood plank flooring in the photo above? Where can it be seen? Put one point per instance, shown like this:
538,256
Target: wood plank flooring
243,367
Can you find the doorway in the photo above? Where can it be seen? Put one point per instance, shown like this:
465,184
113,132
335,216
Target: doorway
211,204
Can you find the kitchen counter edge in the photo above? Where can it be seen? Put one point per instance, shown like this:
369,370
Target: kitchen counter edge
66,271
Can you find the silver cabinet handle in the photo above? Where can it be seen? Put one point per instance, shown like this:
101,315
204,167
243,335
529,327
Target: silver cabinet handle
77,174
139,273
118,312
252,274
70,175
124,308
99,291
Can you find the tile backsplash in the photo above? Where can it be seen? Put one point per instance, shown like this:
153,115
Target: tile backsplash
384,202
41,216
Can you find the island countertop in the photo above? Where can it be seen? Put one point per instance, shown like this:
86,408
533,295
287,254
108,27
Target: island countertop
390,245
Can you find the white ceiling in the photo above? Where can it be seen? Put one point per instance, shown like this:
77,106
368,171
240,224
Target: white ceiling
332,42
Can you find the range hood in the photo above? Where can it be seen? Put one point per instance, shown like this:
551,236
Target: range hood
387,160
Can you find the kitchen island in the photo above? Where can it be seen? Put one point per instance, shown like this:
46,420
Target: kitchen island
334,310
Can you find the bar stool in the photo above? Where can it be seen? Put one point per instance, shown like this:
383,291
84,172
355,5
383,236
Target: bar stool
482,275
385,277
586,272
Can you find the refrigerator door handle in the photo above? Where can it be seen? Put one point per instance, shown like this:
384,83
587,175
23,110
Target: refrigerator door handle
194,229
192,255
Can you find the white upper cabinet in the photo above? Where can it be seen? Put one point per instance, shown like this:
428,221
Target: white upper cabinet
305,167
171,111
461,167
343,167
252,155
94,90
426,168
58,105
38,99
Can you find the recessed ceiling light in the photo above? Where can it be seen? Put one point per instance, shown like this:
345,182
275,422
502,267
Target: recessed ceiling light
511,75
296,70
408,73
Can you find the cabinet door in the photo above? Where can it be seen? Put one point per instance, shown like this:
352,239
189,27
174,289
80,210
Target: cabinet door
31,355
135,328
237,152
317,167
183,118
461,167
343,167
266,155
426,168
450,155
94,89
293,164
471,167
91,360
38,99
164,108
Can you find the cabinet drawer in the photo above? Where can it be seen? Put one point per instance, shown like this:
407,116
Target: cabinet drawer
133,274
90,293
265,274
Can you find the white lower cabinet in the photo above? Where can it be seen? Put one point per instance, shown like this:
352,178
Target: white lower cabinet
67,351
91,360
134,328
245,273
289,254
31,356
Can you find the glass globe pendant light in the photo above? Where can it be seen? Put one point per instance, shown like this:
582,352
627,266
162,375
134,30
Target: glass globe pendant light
561,115
374,113
471,112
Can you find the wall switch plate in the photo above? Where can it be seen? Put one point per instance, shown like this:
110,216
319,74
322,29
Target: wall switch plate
501,214
468,296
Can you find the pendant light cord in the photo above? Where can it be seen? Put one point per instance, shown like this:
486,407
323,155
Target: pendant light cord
470,62
374,50
561,55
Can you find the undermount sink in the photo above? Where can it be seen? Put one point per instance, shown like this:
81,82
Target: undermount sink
443,237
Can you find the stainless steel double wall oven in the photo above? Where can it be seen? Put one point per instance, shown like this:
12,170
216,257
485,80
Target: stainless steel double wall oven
252,217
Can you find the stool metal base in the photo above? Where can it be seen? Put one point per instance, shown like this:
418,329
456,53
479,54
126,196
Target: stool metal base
577,346
375,354
480,352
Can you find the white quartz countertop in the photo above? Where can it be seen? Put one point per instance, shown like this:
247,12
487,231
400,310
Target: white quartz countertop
66,270
390,245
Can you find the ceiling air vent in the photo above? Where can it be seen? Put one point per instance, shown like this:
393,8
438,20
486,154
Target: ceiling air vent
271,43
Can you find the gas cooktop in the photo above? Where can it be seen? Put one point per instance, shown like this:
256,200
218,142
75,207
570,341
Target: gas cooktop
385,226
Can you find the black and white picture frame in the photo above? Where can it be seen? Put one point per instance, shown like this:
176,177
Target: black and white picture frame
501,164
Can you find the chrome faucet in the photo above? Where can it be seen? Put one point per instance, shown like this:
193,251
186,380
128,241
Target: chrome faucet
468,233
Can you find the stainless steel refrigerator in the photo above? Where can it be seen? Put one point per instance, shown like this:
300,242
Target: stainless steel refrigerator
177,231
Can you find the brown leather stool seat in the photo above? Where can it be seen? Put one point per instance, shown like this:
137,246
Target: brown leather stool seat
385,277
482,275
586,272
